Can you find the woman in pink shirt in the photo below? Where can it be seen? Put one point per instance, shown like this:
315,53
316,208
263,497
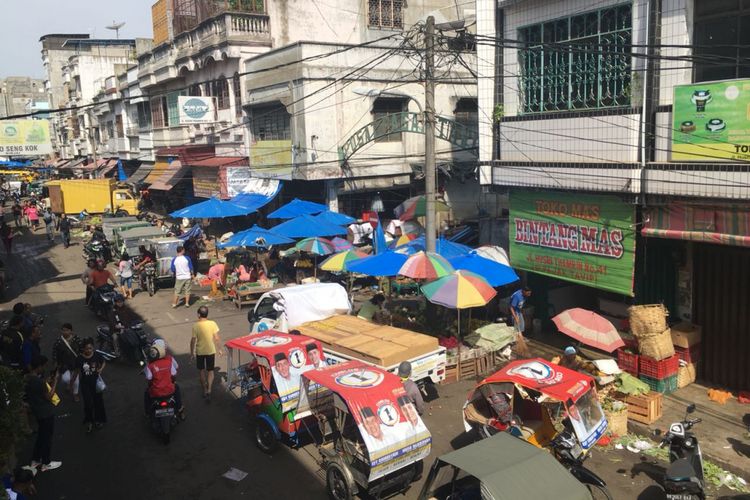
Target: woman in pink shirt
33,215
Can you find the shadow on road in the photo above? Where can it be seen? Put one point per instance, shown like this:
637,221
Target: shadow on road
739,447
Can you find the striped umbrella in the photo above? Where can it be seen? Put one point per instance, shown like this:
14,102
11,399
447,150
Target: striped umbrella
338,262
316,246
588,328
424,265
340,244
402,240
459,290
417,207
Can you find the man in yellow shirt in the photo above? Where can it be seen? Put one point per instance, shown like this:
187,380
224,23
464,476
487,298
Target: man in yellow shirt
203,348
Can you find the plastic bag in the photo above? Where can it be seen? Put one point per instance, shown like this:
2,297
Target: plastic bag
100,385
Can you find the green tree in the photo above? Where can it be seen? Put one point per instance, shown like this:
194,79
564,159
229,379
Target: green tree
12,416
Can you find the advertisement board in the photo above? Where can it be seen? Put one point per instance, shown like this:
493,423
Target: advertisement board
271,159
25,138
586,239
237,179
195,109
711,121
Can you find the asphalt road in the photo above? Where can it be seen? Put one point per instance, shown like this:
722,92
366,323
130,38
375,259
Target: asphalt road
125,460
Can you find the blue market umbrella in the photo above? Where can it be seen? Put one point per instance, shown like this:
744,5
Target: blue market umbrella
385,264
212,209
307,226
256,236
495,273
297,207
445,248
335,218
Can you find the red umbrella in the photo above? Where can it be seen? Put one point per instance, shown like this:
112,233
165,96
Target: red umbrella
589,328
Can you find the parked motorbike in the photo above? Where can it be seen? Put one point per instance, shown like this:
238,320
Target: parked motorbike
131,343
148,278
684,477
97,249
568,452
163,416
102,300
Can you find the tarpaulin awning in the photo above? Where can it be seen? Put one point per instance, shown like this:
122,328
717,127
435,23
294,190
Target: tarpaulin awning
445,248
221,161
175,174
212,208
256,200
141,173
334,218
297,207
160,168
386,264
108,167
256,236
306,226
495,273
723,225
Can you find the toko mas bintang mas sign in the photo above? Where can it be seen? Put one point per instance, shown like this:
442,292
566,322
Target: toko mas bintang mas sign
586,239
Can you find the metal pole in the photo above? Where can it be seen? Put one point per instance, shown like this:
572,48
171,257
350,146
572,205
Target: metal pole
429,136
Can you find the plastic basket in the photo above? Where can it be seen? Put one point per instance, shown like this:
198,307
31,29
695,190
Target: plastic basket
627,361
664,386
659,369
689,354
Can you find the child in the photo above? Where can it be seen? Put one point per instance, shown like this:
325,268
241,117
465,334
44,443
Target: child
126,275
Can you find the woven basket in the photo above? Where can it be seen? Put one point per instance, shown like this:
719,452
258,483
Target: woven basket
648,320
617,423
658,346
686,375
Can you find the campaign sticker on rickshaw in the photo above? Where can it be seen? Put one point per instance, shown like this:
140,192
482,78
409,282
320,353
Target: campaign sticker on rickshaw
360,379
535,370
271,341
297,358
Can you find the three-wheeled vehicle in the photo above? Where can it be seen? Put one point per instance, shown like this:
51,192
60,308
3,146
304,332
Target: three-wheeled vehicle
545,404
500,468
371,437
165,249
131,239
266,369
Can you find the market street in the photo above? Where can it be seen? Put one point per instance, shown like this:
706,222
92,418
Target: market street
125,460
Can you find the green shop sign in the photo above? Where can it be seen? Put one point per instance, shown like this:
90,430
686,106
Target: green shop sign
586,239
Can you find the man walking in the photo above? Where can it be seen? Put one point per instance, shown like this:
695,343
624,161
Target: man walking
40,396
203,347
182,267
63,225
49,224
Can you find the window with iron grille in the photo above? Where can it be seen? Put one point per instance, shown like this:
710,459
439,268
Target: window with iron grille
722,35
578,62
385,14
219,89
159,116
237,89
144,115
173,109
195,90
381,109
270,123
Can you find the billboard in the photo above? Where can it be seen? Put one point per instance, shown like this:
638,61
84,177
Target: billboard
711,121
586,239
237,179
196,109
271,159
25,138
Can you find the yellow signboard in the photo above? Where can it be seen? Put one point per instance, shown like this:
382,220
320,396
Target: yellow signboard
271,159
25,138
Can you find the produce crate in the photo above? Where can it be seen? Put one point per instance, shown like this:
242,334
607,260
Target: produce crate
627,361
617,423
689,354
451,374
666,385
645,408
654,369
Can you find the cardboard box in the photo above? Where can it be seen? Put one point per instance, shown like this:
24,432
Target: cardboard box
686,335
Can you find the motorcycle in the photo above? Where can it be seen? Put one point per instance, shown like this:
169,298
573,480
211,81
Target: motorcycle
132,342
102,300
568,452
148,278
97,249
163,416
684,479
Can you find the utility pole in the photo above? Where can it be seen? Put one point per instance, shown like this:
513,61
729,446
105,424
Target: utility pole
429,136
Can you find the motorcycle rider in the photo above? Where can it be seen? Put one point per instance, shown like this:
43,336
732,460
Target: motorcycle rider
160,373
120,319
145,257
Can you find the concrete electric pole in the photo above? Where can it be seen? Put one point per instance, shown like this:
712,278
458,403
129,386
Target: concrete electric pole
429,137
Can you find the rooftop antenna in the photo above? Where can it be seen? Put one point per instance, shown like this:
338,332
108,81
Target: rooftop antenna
115,26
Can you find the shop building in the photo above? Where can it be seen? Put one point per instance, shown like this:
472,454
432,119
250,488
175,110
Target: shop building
621,124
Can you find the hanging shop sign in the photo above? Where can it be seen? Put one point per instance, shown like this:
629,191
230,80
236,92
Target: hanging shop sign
711,121
196,109
586,239
25,138
237,179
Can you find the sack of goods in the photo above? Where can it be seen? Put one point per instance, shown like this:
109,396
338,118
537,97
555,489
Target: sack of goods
658,346
648,320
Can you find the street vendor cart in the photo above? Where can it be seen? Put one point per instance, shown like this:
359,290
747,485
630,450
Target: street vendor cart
266,370
372,440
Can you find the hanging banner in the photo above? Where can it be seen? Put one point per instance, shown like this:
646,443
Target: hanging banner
25,138
196,109
237,179
711,121
586,239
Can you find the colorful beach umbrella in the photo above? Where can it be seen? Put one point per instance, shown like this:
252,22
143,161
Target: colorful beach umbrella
316,246
459,290
425,265
338,262
417,207
340,244
402,240
589,328
495,273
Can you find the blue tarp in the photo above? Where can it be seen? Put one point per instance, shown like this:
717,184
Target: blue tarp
297,207
121,175
386,264
379,240
255,201
335,218
193,232
256,236
495,273
212,209
445,248
15,164
306,226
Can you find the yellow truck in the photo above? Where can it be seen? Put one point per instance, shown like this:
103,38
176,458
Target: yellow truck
95,196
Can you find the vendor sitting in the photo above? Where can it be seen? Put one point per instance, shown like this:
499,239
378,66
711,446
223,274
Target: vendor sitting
216,272
573,361
371,307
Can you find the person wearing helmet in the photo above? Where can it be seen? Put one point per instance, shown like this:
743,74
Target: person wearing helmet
412,390
160,373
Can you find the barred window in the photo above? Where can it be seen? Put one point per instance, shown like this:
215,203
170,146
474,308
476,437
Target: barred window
173,109
385,14
579,62
219,89
159,117
722,35
270,123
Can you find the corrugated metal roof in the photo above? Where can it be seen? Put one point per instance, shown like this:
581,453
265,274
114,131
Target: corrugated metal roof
222,161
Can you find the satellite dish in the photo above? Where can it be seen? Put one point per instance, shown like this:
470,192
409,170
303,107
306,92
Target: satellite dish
115,26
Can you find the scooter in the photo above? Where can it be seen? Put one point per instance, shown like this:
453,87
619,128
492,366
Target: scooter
684,477
133,342
163,416
96,250
102,300
568,452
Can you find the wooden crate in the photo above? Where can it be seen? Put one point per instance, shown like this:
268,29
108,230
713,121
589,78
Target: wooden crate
646,408
451,374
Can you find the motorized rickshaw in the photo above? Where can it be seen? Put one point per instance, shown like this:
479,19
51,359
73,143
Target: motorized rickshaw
371,437
500,468
266,368
537,400
165,250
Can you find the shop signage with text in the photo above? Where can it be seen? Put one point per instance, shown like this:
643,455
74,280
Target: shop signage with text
587,239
